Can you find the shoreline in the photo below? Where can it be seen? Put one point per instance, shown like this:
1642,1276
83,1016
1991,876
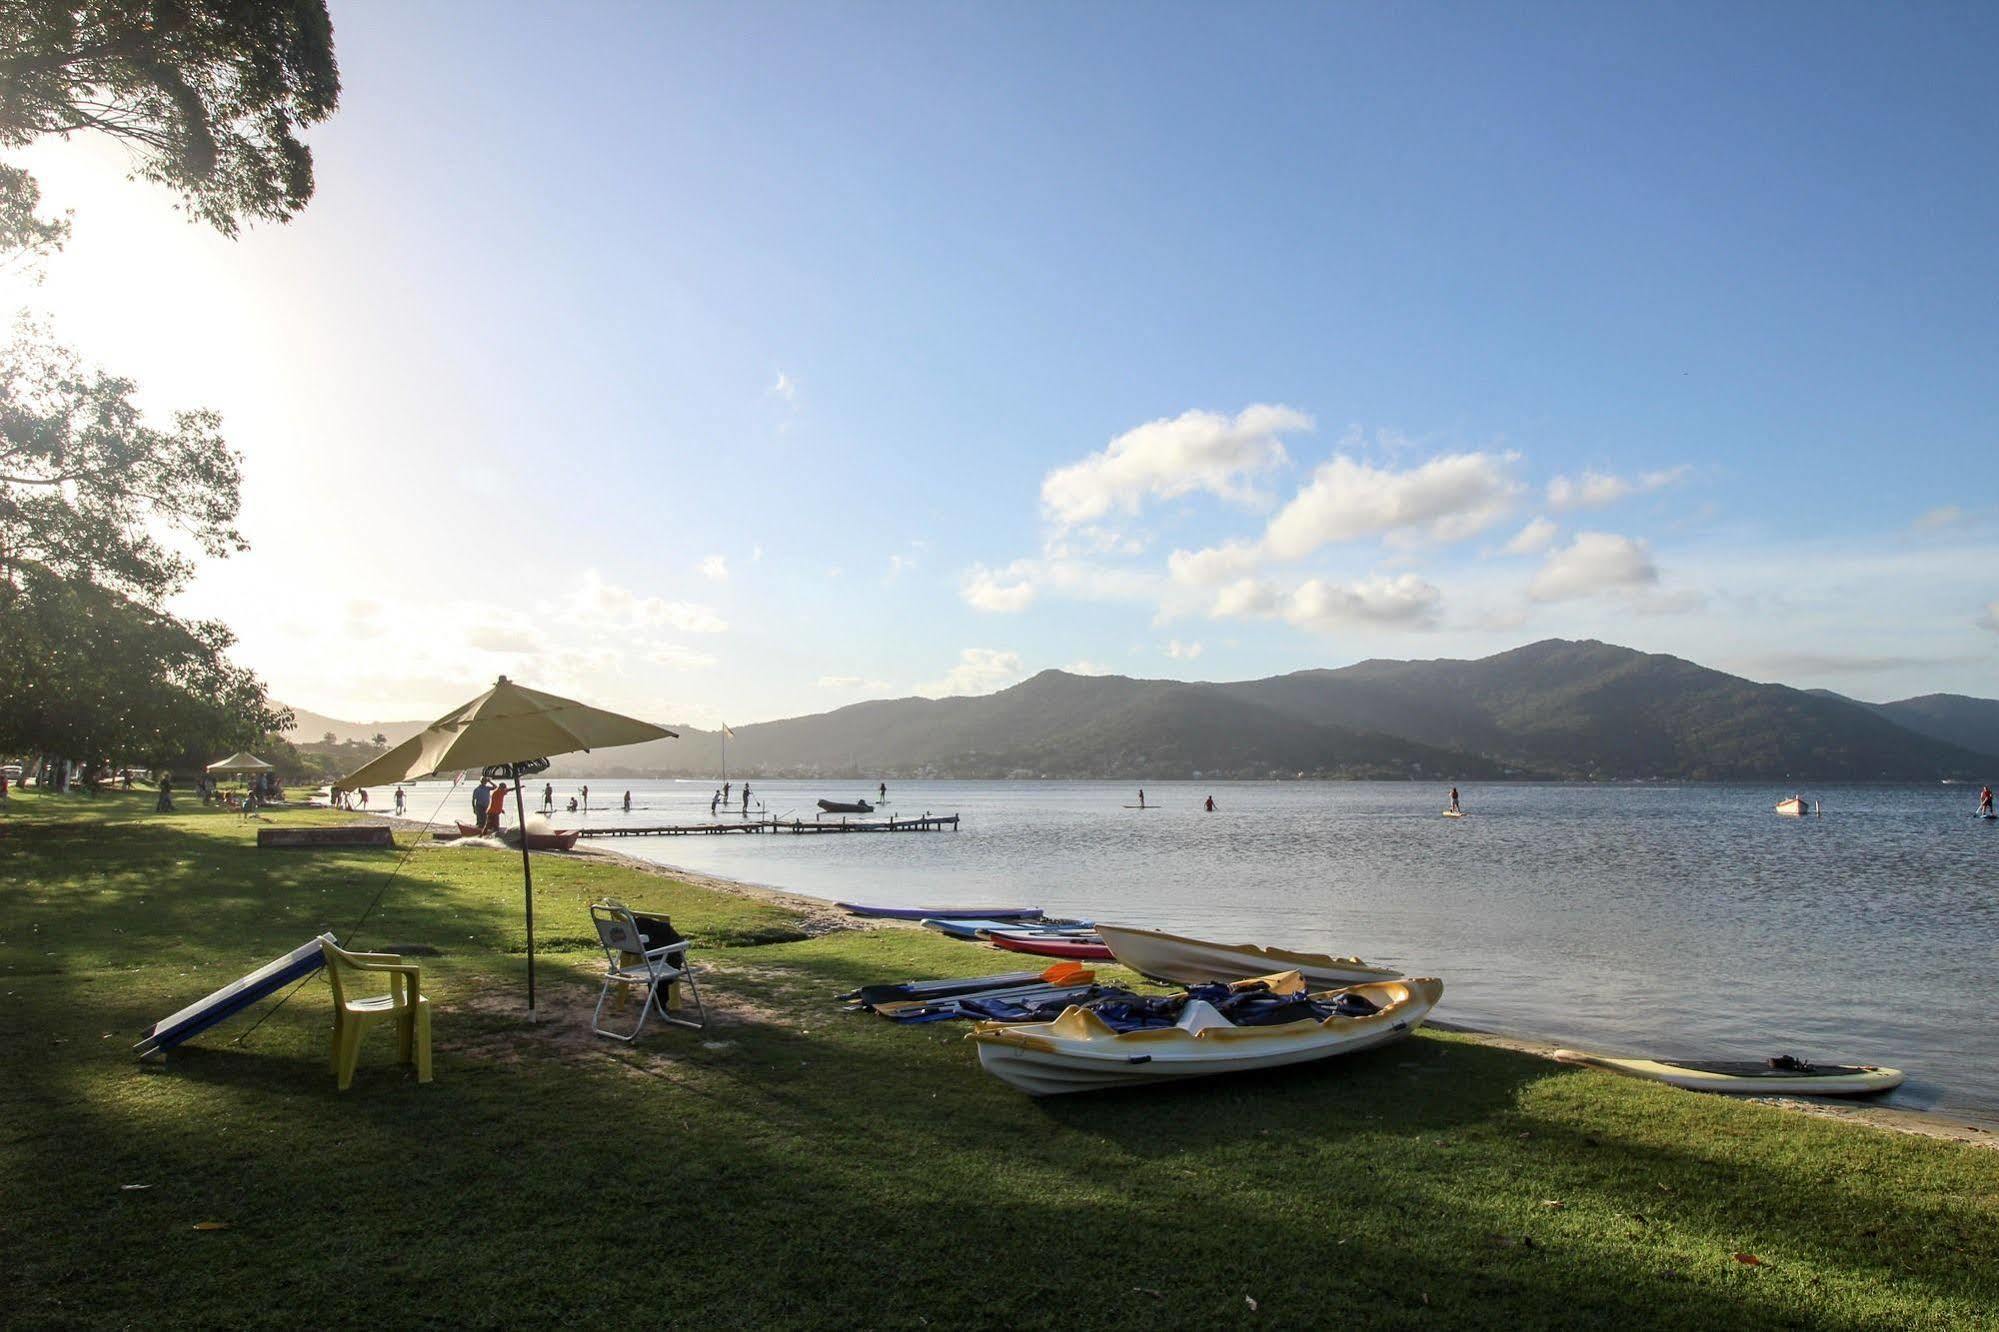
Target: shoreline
823,917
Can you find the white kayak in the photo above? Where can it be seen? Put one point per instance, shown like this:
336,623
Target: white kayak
1079,1051
1184,961
1770,1077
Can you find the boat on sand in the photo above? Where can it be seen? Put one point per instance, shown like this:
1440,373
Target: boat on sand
1081,1051
1781,1076
1173,957
1081,945
537,841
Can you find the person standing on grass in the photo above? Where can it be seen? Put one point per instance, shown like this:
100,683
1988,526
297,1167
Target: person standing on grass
482,802
165,804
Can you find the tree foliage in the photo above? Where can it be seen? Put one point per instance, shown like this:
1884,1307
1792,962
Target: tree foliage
211,94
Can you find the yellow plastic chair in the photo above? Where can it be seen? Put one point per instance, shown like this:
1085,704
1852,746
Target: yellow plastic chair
404,1004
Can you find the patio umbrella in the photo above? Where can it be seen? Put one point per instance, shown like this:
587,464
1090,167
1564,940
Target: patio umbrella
240,761
507,733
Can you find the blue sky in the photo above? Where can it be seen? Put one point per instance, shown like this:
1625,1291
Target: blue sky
739,361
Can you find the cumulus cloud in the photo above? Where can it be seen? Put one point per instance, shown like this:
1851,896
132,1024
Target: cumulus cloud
1165,459
715,568
1318,604
997,591
596,600
1532,539
1593,490
1183,651
978,671
1594,562
1448,498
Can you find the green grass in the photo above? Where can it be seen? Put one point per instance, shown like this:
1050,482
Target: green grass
798,1165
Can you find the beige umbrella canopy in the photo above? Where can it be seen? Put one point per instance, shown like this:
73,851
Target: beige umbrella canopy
507,733
239,762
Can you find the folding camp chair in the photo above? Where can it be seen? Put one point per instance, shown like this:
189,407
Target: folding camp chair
633,961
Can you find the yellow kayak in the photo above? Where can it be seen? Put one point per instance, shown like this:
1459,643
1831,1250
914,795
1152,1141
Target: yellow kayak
1079,1051
1782,1076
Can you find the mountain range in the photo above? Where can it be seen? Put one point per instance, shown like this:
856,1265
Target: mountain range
1554,709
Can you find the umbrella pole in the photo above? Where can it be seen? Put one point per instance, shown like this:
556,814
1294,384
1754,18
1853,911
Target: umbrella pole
527,879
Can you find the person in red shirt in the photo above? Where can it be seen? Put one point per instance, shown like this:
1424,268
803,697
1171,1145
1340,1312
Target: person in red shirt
1985,800
495,810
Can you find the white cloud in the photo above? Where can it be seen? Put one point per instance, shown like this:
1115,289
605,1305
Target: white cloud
850,682
1594,562
716,568
998,591
364,619
1088,667
783,387
497,638
596,600
673,656
1448,498
1938,519
1405,600
978,671
1593,490
899,564
1183,651
1532,539
1165,459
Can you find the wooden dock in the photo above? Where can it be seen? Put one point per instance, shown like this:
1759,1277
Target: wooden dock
927,823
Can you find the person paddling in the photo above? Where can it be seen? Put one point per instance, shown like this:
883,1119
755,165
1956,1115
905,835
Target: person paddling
1454,798
1141,797
1985,801
1211,804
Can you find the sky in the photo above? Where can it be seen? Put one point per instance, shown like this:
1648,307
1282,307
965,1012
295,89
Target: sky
729,362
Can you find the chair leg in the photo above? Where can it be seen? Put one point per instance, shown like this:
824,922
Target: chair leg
350,1054
406,1036
333,1045
700,1018
603,997
423,1042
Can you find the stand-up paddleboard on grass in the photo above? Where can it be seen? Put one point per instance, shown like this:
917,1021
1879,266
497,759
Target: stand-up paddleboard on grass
1781,1076
232,998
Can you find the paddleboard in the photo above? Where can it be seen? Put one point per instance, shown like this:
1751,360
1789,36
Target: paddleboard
1748,1077
1454,813
1987,817
1141,807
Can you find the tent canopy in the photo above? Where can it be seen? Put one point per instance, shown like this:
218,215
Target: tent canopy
241,761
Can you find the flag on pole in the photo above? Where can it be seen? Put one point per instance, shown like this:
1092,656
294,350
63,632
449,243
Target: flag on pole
726,731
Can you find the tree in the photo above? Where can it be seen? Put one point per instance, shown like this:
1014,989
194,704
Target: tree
211,94
380,741
329,739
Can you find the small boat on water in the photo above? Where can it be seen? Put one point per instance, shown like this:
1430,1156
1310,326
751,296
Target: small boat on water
846,807
1780,1076
1172,957
1082,1051
537,841
1793,807
941,913
1078,945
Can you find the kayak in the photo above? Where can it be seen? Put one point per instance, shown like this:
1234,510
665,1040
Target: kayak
1170,957
1080,1051
1782,1076
548,841
978,929
941,913
1053,945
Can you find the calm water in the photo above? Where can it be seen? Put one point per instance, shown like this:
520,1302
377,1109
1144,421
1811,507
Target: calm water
1681,921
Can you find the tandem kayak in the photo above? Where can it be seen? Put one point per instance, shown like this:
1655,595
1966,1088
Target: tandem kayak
1172,957
1080,1051
941,913
1052,945
1781,1076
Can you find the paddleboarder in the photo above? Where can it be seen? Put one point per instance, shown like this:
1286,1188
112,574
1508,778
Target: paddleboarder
1985,801
1141,797
881,792
1454,797
1211,805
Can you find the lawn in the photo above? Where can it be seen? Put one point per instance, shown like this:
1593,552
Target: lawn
798,1165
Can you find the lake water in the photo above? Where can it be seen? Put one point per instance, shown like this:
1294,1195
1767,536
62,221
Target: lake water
1682,921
